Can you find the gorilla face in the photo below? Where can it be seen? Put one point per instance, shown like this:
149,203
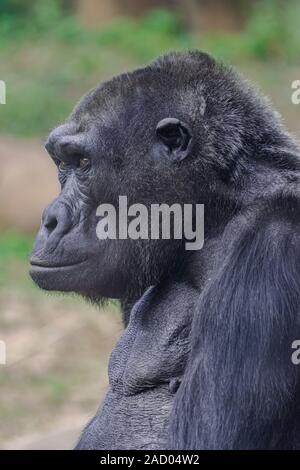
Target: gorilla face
123,139
176,131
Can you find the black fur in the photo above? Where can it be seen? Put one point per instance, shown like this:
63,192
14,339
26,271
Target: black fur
240,389
205,359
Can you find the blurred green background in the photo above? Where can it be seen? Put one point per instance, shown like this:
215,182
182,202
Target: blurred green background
51,52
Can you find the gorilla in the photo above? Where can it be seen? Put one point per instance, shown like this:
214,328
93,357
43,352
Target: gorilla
204,361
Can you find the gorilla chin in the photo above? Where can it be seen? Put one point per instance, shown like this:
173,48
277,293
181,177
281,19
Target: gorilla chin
80,278
58,278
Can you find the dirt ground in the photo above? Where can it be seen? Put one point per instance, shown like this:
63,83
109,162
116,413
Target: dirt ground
28,182
56,371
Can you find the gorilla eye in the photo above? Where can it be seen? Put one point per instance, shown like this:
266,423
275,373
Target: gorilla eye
84,162
63,166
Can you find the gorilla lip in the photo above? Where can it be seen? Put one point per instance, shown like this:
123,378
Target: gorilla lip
40,264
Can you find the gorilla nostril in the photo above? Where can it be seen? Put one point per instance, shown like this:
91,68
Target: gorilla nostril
51,224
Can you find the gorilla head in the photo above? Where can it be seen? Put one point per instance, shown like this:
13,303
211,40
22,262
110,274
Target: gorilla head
176,131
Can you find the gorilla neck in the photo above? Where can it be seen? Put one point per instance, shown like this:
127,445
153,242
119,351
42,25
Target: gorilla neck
145,371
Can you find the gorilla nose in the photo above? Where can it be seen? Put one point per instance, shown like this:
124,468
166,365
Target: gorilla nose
51,223
56,219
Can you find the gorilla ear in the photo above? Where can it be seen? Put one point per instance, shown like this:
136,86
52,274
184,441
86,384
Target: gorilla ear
175,136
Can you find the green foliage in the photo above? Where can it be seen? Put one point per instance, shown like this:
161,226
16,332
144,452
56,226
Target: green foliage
53,60
15,8
157,32
14,253
14,245
33,20
273,31
48,60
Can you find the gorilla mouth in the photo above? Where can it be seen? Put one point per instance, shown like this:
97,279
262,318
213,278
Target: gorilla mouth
58,275
44,264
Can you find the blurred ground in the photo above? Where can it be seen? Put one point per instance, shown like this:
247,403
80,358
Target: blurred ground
27,183
56,371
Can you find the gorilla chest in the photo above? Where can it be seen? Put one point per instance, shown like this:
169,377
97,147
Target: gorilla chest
145,370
